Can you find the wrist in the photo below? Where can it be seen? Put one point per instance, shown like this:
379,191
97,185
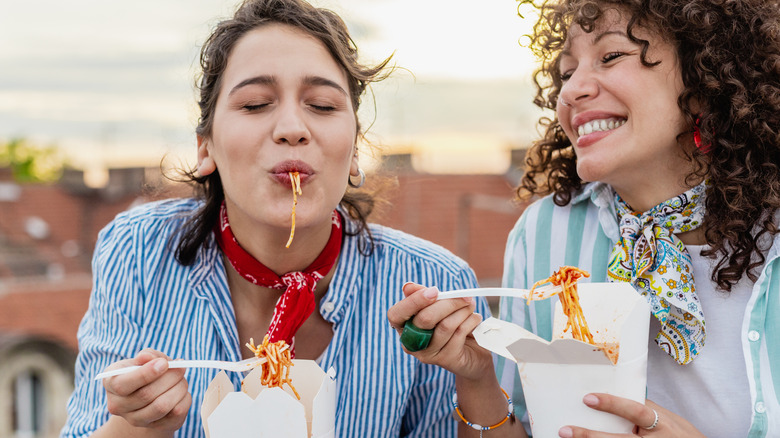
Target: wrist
482,405
480,369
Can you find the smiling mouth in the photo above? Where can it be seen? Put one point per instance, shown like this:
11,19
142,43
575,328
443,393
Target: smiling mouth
600,125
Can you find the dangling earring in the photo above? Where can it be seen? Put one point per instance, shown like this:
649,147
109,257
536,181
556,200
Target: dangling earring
704,148
362,179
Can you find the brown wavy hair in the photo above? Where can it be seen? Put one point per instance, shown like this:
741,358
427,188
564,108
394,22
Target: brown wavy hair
324,25
729,52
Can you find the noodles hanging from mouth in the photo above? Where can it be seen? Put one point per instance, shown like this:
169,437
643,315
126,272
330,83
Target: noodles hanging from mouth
295,181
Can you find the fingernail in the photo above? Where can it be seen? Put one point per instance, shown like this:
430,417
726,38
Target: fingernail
160,365
406,284
565,432
431,292
590,400
468,299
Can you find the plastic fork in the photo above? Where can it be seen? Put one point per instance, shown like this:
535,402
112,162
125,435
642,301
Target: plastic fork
540,293
240,366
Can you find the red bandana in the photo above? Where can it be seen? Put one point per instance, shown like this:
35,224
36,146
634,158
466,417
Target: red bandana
297,302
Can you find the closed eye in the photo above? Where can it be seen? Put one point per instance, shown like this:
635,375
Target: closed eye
255,107
611,56
323,108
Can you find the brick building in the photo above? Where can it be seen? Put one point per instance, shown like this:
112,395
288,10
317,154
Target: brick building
48,232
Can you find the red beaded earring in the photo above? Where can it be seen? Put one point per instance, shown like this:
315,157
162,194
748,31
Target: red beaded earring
704,148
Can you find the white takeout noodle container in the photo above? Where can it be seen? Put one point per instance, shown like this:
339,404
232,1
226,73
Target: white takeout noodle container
556,375
257,411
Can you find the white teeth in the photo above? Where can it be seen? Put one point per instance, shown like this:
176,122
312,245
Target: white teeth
600,125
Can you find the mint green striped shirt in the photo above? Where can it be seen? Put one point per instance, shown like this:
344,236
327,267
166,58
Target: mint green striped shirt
582,234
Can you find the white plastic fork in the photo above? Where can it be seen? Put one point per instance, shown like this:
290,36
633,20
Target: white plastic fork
240,366
540,293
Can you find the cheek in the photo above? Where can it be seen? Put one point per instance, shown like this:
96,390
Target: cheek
340,138
563,115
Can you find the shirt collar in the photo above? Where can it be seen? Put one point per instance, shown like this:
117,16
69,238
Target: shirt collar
603,197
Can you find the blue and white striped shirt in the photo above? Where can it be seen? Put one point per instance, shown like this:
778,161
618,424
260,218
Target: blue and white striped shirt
142,297
582,234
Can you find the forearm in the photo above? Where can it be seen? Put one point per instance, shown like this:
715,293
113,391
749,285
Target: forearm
482,402
118,427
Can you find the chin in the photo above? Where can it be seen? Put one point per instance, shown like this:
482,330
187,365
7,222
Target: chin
590,173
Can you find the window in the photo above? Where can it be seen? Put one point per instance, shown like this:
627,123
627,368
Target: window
28,405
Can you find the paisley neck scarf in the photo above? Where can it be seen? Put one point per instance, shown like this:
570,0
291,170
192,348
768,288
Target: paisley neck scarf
655,261
297,302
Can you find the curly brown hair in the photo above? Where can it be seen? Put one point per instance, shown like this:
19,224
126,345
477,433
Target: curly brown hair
729,52
324,25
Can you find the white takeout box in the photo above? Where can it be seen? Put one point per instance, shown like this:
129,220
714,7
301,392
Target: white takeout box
556,375
257,411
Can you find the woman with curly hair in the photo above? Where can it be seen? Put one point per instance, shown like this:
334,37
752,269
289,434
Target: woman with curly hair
661,168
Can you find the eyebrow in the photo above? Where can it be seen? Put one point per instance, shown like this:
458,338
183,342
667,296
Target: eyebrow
316,81
598,38
256,80
319,81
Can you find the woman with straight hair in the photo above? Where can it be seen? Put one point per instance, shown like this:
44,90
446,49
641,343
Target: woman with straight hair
197,278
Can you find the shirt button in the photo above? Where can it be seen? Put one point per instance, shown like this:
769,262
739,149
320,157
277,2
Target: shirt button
760,408
754,335
328,306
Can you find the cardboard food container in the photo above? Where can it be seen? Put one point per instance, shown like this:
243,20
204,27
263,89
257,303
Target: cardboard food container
556,375
257,411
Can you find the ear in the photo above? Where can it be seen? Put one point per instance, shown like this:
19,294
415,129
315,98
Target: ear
355,164
206,164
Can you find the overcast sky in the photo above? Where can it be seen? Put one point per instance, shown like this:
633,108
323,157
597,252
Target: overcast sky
111,82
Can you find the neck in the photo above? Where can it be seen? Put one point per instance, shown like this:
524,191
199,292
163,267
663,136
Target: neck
643,197
267,244
644,200
260,297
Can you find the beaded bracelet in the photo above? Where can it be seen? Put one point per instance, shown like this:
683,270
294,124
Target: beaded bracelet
479,427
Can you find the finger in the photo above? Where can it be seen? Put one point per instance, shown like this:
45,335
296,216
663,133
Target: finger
410,288
149,393
160,407
431,316
446,329
403,310
139,388
126,384
635,412
176,416
579,432
461,334
142,357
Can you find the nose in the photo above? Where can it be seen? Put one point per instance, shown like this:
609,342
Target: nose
290,126
581,85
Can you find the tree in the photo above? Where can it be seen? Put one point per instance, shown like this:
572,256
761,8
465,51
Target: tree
30,163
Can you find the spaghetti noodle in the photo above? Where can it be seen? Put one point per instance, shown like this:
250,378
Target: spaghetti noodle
295,181
567,277
276,368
